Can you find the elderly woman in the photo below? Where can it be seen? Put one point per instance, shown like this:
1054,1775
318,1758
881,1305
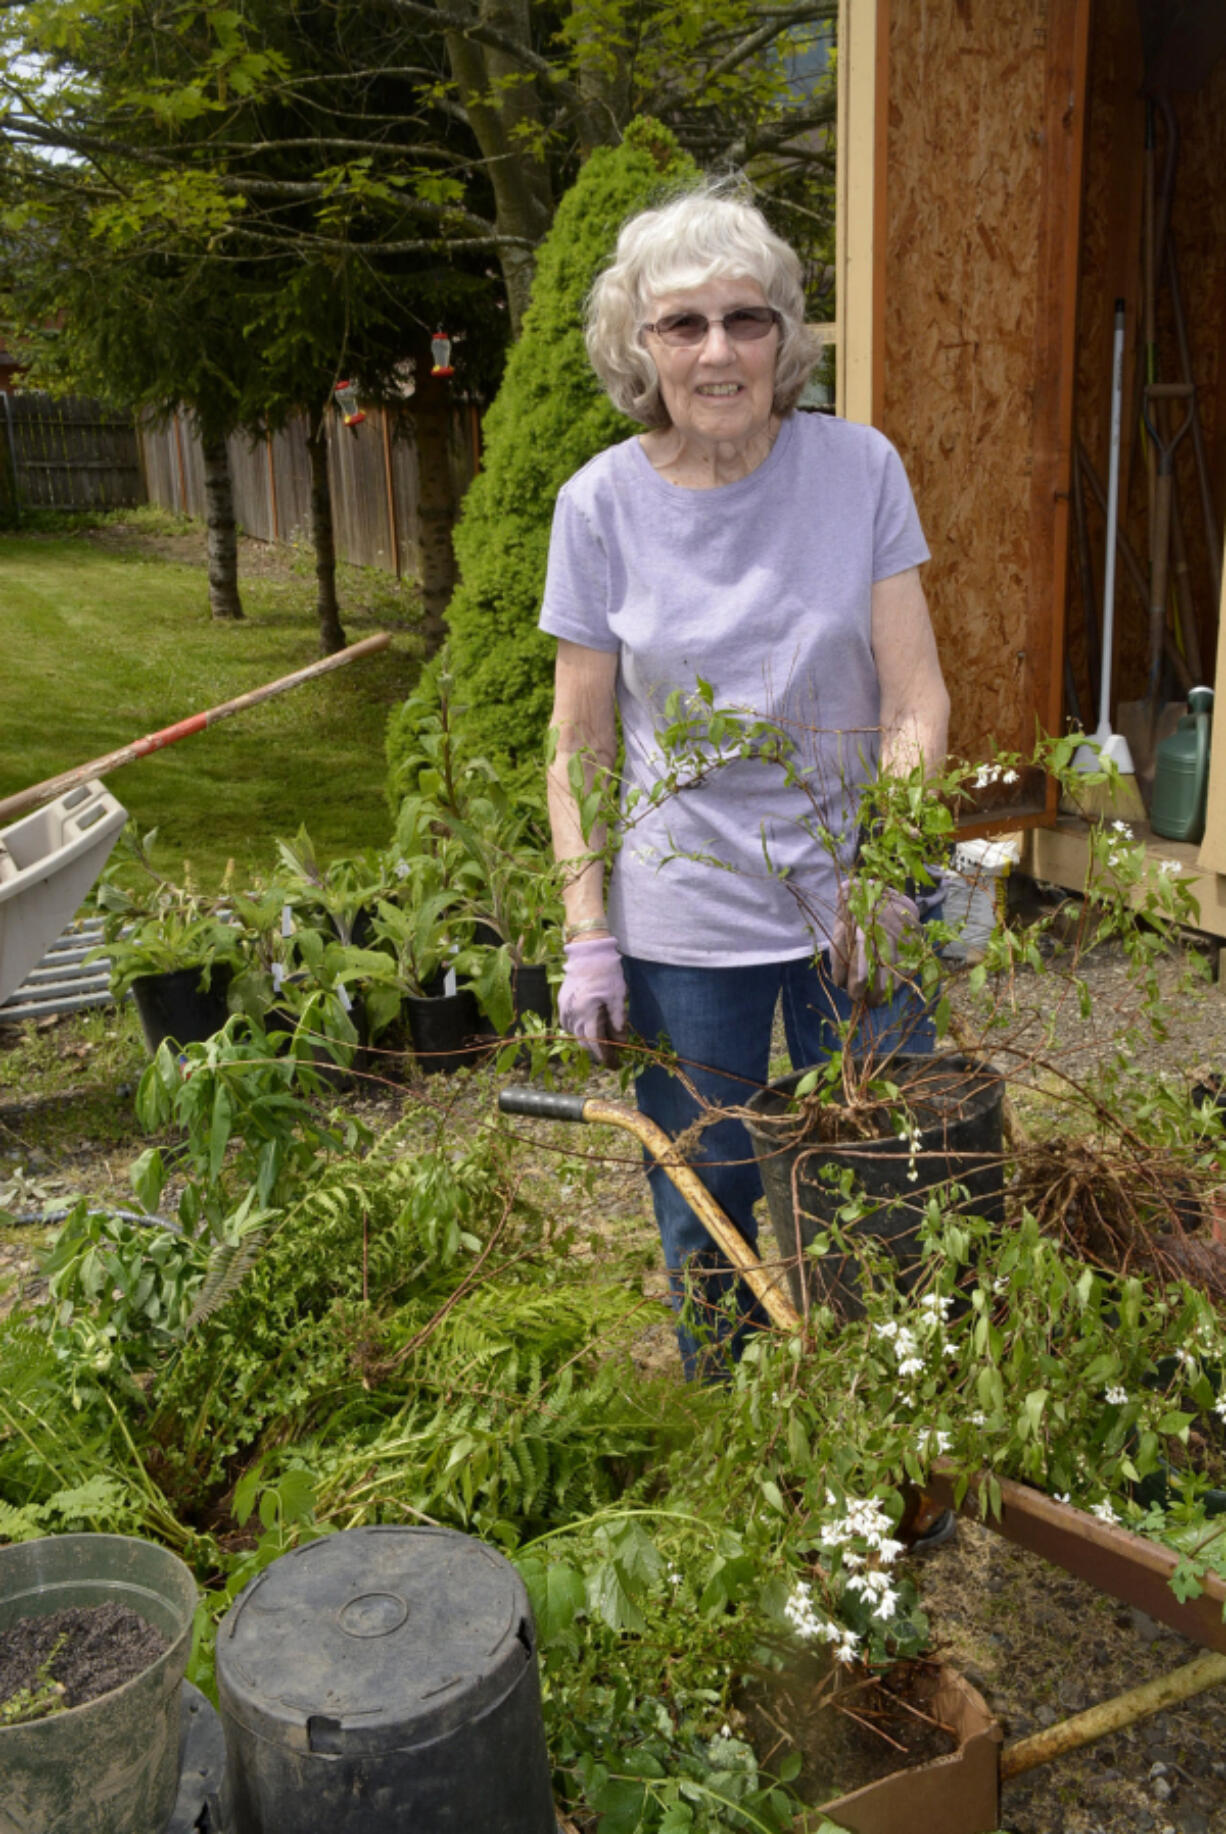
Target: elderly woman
775,555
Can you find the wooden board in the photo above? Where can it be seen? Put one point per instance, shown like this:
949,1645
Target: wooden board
982,180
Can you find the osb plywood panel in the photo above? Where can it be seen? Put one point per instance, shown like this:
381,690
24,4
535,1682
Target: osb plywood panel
1111,265
965,212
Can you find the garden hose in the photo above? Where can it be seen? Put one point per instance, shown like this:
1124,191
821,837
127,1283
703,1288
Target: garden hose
548,1105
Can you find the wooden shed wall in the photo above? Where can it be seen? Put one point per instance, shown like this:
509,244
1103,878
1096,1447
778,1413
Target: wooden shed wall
979,257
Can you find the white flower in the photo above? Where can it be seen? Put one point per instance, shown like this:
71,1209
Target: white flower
888,1329
939,1441
1116,1395
1104,1512
1169,866
911,1365
725,1730
1121,827
1219,1407
674,1576
1009,777
936,1302
1062,1496
1185,1357
978,1418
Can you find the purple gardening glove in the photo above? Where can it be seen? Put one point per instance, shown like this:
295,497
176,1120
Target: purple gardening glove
870,975
592,998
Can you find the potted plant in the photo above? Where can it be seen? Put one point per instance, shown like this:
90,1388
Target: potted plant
443,1018
171,946
856,1149
492,853
100,1754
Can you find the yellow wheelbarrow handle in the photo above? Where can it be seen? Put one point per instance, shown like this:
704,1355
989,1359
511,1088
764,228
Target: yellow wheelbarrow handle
548,1105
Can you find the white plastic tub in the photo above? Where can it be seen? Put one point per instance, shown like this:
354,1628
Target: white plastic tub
48,862
975,892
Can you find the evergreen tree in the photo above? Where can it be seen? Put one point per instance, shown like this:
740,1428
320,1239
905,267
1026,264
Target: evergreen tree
549,418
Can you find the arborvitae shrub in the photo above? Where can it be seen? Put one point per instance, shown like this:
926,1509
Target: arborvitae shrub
550,416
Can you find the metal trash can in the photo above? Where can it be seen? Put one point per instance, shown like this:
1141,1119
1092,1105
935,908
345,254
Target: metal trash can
380,1681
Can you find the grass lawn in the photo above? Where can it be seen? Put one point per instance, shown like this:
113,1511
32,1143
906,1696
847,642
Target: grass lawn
106,635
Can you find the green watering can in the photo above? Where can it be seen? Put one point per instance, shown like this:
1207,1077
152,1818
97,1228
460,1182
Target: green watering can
1181,773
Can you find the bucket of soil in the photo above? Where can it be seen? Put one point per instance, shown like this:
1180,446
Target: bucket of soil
94,1638
914,1749
803,1147
180,1004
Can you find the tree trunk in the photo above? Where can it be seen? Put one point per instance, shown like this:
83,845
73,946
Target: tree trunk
437,503
504,113
331,636
224,601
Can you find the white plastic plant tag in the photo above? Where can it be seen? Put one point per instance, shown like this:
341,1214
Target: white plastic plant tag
449,981
342,994
278,976
287,920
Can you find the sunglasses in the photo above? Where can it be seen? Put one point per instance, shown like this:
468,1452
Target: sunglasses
744,326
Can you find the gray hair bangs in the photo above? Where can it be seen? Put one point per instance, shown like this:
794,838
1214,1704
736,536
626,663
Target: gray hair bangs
705,235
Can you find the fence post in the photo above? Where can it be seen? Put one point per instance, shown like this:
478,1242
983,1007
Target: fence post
10,460
390,482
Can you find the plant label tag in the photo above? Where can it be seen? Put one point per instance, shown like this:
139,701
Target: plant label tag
449,982
287,920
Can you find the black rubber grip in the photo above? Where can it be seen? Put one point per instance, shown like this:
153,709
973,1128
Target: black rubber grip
544,1104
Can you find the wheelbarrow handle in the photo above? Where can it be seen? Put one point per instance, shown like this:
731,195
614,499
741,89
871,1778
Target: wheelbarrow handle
545,1105
542,1104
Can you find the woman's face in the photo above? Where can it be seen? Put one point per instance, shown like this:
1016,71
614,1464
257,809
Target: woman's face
718,392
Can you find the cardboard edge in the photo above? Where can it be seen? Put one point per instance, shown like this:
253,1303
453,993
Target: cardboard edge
956,1794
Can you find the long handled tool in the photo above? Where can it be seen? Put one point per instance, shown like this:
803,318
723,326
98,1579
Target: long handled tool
1160,540
550,1105
170,735
1109,745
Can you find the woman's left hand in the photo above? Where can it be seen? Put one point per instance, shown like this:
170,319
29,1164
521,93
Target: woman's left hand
864,966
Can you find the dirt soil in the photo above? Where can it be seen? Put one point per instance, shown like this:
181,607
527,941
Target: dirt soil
88,1649
847,1734
1038,1644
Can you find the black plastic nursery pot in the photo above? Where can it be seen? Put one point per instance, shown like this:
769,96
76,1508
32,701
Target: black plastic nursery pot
956,1105
447,1032
110,1766
384,1681
175,1005
531,991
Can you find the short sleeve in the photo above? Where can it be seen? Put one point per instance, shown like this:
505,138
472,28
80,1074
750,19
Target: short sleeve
576,602
898,539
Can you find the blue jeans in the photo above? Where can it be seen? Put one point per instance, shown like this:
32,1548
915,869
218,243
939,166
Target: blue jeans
718,1022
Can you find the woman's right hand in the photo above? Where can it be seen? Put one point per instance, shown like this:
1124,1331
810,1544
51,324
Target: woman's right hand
592,998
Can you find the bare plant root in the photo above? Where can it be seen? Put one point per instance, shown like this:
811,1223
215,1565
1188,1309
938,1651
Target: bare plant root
1124,1215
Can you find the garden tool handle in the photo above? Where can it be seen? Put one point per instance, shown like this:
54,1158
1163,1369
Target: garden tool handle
542,1104
548,1105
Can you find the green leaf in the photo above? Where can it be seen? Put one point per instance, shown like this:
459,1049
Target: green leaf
609,1598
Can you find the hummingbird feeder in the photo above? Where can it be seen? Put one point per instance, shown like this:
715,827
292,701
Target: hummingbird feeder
347,401
440,350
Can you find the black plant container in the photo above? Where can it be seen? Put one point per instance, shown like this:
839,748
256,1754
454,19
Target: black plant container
175,1005
957,1108
531,991
447,1032
384,1681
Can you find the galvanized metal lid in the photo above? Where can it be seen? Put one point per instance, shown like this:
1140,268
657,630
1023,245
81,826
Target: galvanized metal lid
373,1640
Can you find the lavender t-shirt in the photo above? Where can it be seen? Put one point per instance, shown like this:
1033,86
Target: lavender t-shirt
763,588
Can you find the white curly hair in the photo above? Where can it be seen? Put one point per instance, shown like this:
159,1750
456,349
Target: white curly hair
709,234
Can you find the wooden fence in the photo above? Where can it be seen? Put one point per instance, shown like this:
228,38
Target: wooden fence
375,487
69,454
